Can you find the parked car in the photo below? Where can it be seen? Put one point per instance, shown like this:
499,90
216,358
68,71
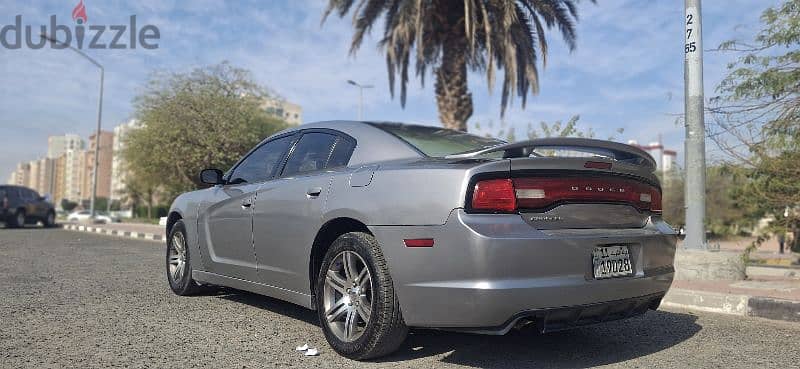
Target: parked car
382,227
85,215
22,205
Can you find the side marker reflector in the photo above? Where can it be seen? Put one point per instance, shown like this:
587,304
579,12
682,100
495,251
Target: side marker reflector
419,242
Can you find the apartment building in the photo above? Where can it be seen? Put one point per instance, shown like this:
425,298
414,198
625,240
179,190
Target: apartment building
119,171
291,113
104,163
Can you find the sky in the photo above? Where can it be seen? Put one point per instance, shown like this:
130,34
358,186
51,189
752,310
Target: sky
626,72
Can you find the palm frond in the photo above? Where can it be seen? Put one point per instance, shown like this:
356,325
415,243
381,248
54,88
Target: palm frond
505,35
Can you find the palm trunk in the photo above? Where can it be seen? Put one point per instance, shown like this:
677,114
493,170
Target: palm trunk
452,95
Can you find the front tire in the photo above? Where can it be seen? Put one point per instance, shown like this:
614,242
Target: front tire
49,220
357,307
179,262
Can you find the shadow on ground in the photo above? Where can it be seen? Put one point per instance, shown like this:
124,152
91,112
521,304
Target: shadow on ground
602,344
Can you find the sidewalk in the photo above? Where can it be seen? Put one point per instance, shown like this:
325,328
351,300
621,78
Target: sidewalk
147,232
771,292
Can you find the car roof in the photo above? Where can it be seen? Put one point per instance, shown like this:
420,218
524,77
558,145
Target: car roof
9,187
372,143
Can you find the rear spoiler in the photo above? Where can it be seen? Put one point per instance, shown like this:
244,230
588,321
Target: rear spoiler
613,150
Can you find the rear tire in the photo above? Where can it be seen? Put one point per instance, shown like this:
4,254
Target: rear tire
18,219
179,262
384,330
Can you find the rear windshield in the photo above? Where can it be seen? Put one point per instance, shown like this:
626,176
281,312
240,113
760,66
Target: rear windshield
438,142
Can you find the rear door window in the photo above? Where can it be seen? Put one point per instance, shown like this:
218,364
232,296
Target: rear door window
310,154
26,194
342,151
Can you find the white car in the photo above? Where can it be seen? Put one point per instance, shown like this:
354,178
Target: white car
85,215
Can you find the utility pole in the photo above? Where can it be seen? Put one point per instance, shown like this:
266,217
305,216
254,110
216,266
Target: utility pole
695,191
99,118
360,97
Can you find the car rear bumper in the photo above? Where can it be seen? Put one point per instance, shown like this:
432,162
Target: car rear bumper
487,272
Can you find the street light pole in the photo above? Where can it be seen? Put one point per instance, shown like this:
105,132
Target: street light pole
360,96
695,191
99,119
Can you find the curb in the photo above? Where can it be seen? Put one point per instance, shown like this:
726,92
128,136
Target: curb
114,232
741,305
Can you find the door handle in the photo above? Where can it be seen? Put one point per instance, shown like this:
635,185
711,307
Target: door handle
313,192
247,203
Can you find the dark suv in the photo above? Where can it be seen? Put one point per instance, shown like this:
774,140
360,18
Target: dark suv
21,205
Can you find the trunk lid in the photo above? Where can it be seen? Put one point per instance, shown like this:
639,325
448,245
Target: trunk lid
568,183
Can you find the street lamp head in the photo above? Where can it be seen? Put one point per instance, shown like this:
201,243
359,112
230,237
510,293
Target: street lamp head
350,81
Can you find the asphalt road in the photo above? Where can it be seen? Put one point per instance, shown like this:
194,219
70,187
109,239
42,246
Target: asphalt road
79,300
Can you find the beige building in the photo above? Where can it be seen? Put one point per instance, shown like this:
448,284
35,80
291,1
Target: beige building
58,145
59,178
33,175
42,176
291,113
21,176
103,166
118,168
67,168
74,162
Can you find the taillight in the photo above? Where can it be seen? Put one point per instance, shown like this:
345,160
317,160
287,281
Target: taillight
540,193
495,195
655,204
535,193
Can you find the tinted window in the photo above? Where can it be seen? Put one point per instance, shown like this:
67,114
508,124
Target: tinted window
310,154
262,163
438,142
11,192
341,153
27,194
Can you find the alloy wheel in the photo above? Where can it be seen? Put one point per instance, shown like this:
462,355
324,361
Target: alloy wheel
348,296
177,257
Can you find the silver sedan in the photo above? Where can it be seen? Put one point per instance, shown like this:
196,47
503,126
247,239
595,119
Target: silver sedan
383,226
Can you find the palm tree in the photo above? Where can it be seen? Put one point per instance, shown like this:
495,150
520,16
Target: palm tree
452,36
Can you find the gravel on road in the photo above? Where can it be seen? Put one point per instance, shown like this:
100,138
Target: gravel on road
78,300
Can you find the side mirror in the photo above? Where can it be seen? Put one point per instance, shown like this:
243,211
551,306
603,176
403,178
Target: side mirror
211,176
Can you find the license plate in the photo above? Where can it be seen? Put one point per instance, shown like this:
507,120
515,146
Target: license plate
611,261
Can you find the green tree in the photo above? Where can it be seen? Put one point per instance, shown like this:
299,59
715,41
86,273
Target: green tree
452,37
141,190
67,205
206,118
756,117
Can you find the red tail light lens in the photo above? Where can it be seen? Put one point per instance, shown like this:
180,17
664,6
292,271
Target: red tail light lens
507,195
494,195
655,204
539,193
